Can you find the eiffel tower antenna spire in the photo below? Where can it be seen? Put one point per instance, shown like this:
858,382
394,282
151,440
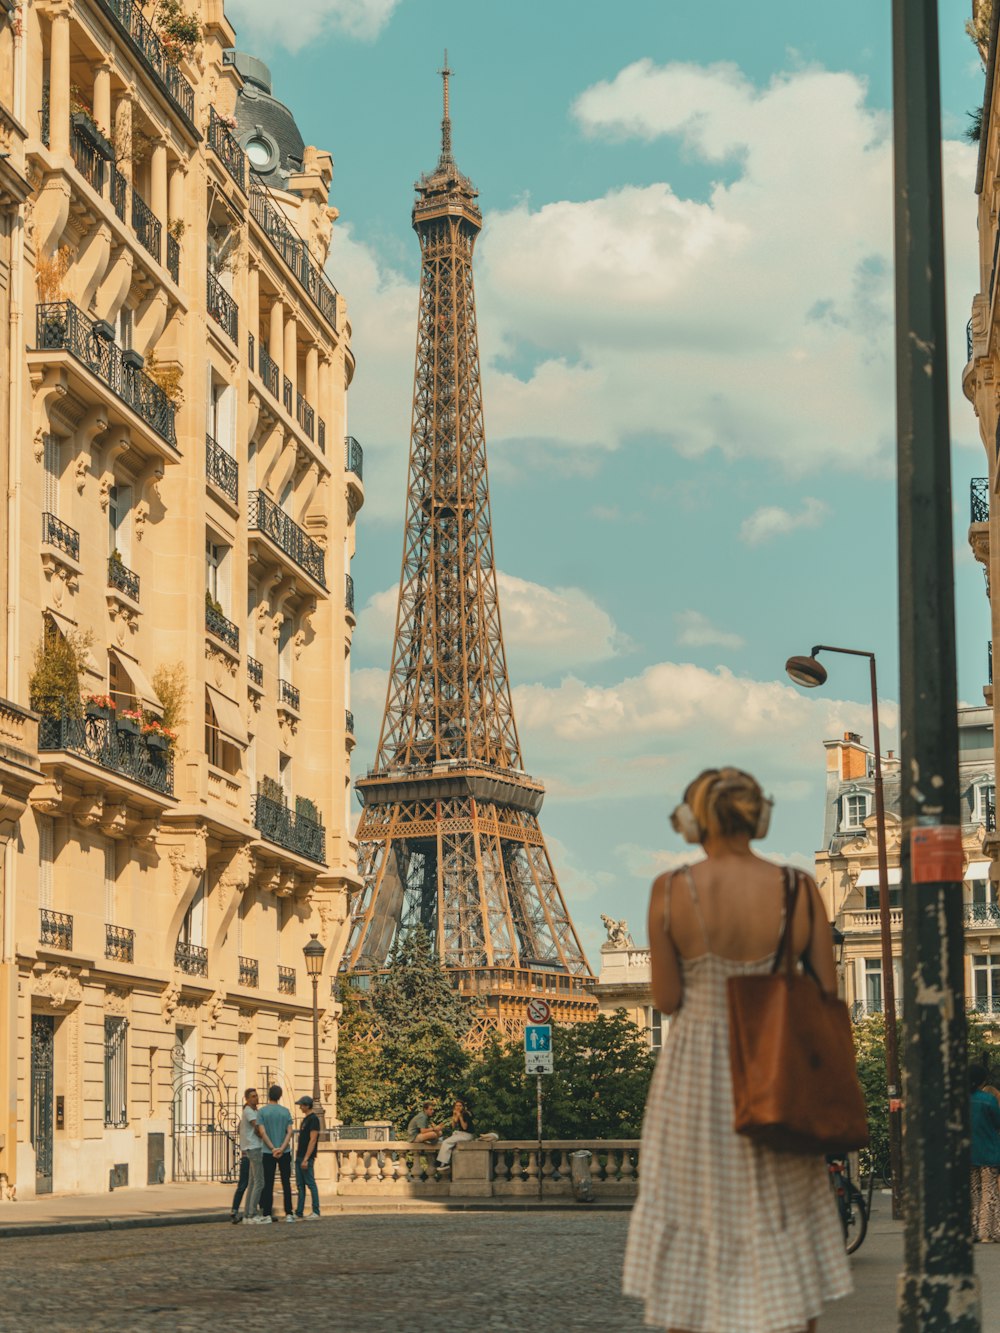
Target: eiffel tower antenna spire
446,74
449,837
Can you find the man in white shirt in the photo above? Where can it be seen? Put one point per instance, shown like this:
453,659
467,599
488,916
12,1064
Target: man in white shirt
253,1138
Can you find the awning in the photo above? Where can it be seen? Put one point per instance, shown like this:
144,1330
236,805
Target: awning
229,719
870,877
977,870
144,691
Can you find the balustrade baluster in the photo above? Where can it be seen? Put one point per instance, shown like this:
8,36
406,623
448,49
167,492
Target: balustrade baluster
596,1175
531,1170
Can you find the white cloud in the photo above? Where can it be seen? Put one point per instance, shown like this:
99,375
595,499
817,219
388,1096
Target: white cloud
293,26
695,630
771,521
544,629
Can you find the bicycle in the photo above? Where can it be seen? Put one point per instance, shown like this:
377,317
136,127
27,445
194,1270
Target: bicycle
850,1203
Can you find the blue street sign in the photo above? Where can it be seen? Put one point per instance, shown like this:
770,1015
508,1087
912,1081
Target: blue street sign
538,1037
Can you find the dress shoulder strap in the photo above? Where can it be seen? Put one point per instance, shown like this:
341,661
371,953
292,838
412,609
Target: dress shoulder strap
696,904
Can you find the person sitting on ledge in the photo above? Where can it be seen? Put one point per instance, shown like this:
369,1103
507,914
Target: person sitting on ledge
420,1130
462,1130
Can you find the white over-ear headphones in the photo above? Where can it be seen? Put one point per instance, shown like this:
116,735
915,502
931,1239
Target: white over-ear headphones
685,823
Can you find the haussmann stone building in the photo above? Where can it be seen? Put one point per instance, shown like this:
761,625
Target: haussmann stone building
179,521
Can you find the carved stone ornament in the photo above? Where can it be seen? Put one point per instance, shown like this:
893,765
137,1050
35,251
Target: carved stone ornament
245,1020
215,1007
619,936
47,797
60,985
116,1002
188,859
169,1002
284,1027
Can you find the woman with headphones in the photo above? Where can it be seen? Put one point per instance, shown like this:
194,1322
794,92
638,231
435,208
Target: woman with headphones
727,1236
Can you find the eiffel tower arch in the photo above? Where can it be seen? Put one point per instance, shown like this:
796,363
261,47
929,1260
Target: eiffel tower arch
449,837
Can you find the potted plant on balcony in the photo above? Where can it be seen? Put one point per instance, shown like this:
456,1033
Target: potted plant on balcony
81,117
179,31
156,735
99,706
130,721
56,672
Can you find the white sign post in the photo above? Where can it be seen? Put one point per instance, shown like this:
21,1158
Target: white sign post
538,1061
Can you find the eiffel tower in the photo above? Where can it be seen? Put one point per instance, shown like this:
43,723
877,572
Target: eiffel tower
449,836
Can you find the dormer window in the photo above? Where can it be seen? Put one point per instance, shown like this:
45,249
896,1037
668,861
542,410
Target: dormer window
985,799
855,811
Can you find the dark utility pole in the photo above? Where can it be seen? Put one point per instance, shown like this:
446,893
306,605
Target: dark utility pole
938,1290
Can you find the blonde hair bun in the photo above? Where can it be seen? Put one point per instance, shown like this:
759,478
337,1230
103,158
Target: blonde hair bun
726,801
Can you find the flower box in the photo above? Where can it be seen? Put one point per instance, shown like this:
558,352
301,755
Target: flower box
157,740
87,129
95,711
129,725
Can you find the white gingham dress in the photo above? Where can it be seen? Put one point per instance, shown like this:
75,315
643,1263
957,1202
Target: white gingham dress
726,1236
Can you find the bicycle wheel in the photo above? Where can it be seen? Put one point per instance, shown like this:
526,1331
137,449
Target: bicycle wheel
854,1216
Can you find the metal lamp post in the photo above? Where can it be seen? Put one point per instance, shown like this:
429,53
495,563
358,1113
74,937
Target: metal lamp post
314,955
806,671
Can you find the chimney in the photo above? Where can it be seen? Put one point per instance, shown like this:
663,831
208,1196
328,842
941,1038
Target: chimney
853,757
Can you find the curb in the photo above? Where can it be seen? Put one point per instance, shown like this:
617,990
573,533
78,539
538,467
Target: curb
348,1210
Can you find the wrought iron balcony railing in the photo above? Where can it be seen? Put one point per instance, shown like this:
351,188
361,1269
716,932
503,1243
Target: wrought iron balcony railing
255,672
349,594
991,818
968,341
222,307
349,722
60,535
55,929
222,468
146,225
251,344
61,326
286,394
217,624
354,457
119,943
979,500
98,740
89,162
305,416
249,972
143,39
321,435
989,661
286,980
270,519
985,1004
227,149
288,828
267,369
173,258
982,914
294,252
288,694
118,192
191,958
123,578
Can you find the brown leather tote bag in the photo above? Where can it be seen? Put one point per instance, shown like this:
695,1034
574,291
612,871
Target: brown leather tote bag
795,1079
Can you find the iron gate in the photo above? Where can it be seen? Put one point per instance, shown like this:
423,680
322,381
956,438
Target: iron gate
43,1031
205,1123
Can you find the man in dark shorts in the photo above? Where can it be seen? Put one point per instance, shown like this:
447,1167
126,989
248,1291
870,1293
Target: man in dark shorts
420,1130
305,1160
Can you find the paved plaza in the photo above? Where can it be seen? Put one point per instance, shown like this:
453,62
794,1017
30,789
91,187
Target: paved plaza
493,1272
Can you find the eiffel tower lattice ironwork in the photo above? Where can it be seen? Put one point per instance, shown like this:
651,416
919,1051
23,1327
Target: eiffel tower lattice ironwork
449,836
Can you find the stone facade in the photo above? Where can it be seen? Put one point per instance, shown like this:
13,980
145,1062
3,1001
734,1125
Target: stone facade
847,865
623,982
182,515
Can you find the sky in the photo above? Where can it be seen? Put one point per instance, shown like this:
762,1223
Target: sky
685,302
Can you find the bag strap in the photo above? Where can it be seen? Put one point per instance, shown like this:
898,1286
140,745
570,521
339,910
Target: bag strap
791,885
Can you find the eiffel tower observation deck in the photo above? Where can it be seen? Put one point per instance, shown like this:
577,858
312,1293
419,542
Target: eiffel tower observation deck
449,837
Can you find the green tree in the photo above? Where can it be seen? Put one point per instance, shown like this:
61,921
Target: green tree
416,989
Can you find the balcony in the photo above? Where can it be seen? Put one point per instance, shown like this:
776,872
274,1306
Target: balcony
255,672
119,944
305,416
294,252
290,829
142,38
99,741
61,326
173,258
286,980
866,1008
223,308
855,922
222,469
191,958
90,161
354,457
349,722
288,694
321,439
979,500
286,394
146,226
249,972
60,535
349,594
981,914
217,624
122,578
228,151
55,929
280,528
268,371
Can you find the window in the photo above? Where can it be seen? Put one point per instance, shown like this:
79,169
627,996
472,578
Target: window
221,753
110,879
46,857
873,985
115,1073
119,521
215,580
872,901
123,328
193,926
53,469
285,774
285,635
986,982
654,1028
986,799
855,811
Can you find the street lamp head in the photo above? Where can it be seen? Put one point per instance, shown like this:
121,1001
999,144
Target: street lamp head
839,939
314,954
806,671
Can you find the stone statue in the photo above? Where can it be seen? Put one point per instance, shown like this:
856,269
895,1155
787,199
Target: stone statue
619,936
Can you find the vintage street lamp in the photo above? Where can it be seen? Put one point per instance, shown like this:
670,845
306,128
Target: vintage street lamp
314,955
809,673
839,939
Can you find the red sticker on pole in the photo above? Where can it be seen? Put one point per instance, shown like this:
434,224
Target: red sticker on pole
936,855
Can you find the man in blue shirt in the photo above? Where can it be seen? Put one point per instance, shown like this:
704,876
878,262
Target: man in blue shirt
277,1123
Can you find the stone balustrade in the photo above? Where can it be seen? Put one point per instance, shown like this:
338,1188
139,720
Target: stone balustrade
484,1168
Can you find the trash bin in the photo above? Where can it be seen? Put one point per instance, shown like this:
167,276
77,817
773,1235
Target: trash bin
579,1174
